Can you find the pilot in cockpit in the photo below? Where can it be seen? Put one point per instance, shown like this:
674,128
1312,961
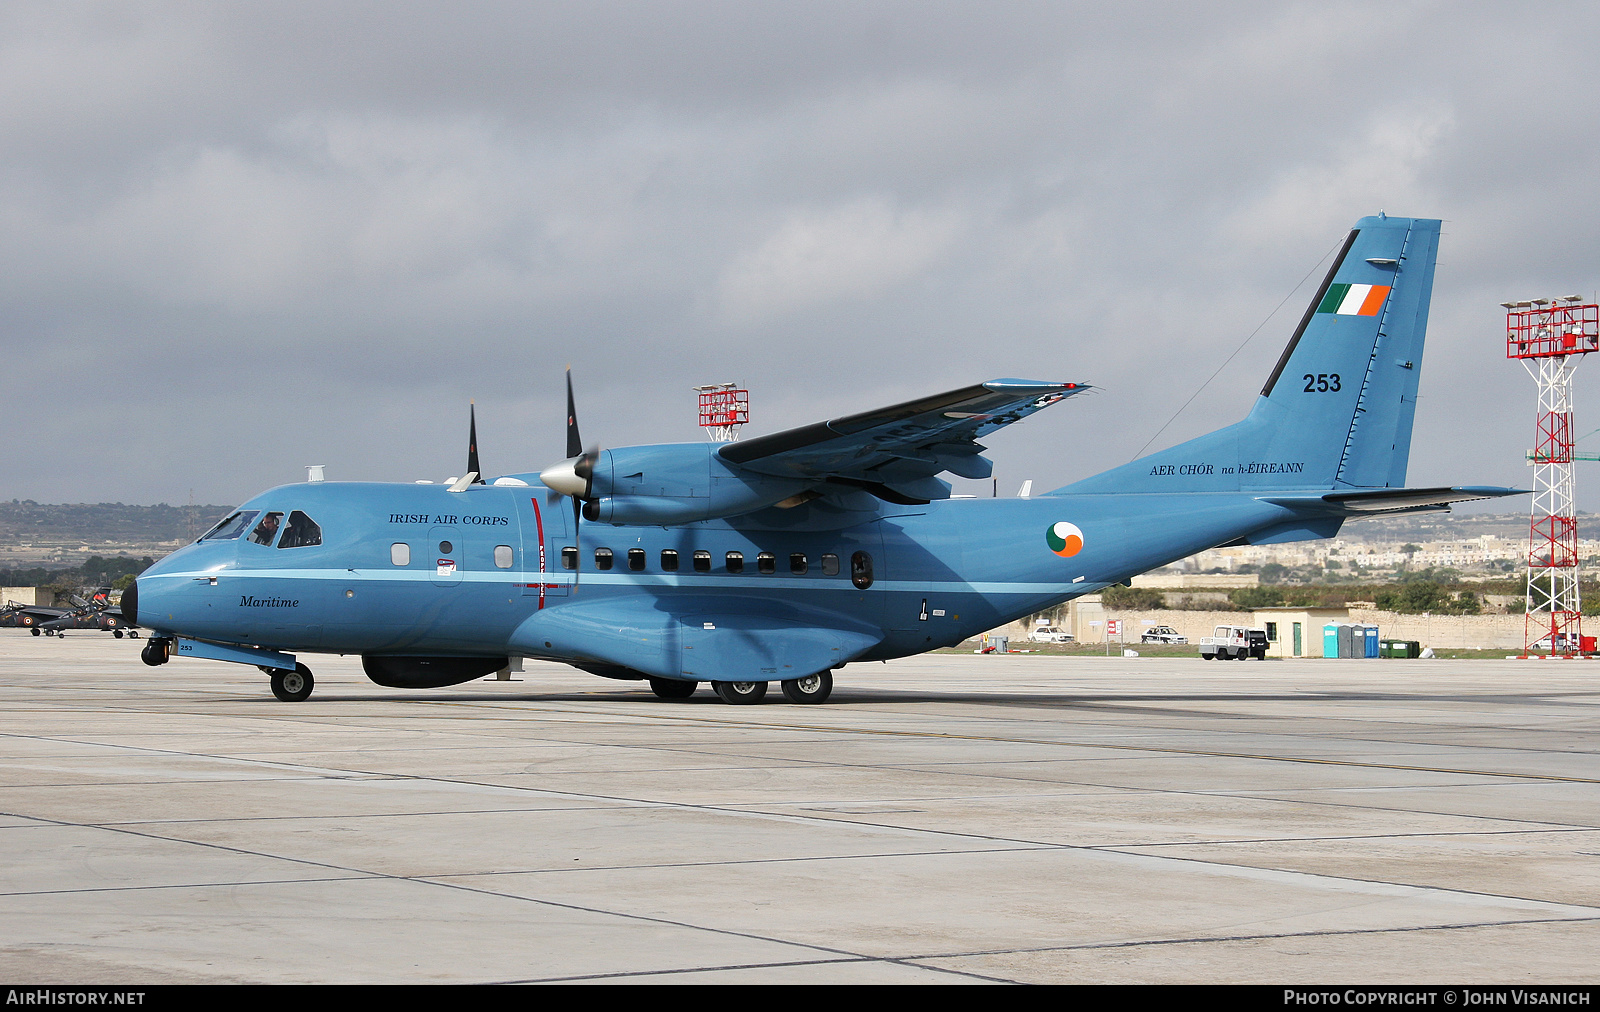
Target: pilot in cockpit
266,530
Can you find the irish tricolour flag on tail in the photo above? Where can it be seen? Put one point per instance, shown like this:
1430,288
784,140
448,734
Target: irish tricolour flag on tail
1354,300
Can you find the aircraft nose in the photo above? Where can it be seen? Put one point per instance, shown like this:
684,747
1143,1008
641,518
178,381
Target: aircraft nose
130,603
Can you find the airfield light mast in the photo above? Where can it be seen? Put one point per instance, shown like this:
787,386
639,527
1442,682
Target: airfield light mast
1549,336
724,409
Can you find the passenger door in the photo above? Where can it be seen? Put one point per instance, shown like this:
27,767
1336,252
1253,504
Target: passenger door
545,529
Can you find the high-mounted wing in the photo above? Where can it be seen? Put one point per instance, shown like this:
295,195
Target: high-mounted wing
895,452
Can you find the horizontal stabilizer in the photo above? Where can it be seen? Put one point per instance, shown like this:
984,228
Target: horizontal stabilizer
1390,500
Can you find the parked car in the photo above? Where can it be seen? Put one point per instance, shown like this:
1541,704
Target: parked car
1049,634
1234,642
1162,634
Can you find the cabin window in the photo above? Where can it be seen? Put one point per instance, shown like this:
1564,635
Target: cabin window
302,532
669,560
766,562
797,563
231,527
400,553
702,562
861,570
569,557
636,559
602,558
830,565
735,562
502,556
445,548
267,530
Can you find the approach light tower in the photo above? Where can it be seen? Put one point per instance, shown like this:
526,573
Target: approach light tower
724,409
1549,336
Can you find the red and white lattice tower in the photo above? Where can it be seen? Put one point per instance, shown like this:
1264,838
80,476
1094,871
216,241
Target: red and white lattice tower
724,409
1549,337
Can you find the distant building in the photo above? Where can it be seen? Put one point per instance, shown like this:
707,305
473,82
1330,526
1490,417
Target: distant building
1296,632
1179,581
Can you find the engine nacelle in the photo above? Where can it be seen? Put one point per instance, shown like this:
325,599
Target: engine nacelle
678,483
428,672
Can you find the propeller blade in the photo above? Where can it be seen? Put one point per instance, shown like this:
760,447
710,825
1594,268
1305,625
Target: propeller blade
472,446
574,441
577,541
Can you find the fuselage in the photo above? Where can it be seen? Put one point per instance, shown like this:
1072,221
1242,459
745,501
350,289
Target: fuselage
417,570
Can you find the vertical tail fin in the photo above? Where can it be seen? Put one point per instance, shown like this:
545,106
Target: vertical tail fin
1337,410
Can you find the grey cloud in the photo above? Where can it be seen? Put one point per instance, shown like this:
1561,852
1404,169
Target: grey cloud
251,236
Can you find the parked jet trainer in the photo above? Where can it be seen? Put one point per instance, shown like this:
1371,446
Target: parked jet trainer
787,556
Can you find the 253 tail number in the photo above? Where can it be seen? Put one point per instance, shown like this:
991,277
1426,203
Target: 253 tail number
1322,383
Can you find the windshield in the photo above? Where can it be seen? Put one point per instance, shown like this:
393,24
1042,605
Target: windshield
232,527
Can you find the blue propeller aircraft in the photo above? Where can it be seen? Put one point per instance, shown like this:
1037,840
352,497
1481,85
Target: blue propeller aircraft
787,556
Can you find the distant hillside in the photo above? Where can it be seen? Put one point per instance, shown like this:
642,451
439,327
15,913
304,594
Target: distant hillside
23,520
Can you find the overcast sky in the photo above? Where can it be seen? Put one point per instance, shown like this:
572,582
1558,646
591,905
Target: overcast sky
236,239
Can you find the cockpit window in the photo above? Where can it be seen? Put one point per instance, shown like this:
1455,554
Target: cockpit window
267,529
301,531
232,527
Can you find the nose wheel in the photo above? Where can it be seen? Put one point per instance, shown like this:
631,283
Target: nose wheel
292,686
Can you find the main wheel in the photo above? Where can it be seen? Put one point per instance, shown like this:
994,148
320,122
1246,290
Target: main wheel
810,689
292,686
36,630
672,688
117,633
740,692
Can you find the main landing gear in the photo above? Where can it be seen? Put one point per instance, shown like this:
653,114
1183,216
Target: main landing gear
740,692
672,688
809,689
291,686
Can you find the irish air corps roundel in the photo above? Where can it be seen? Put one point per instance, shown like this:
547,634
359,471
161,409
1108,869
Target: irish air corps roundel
1064,539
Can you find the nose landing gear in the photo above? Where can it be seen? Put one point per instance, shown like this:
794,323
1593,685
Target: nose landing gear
292,686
